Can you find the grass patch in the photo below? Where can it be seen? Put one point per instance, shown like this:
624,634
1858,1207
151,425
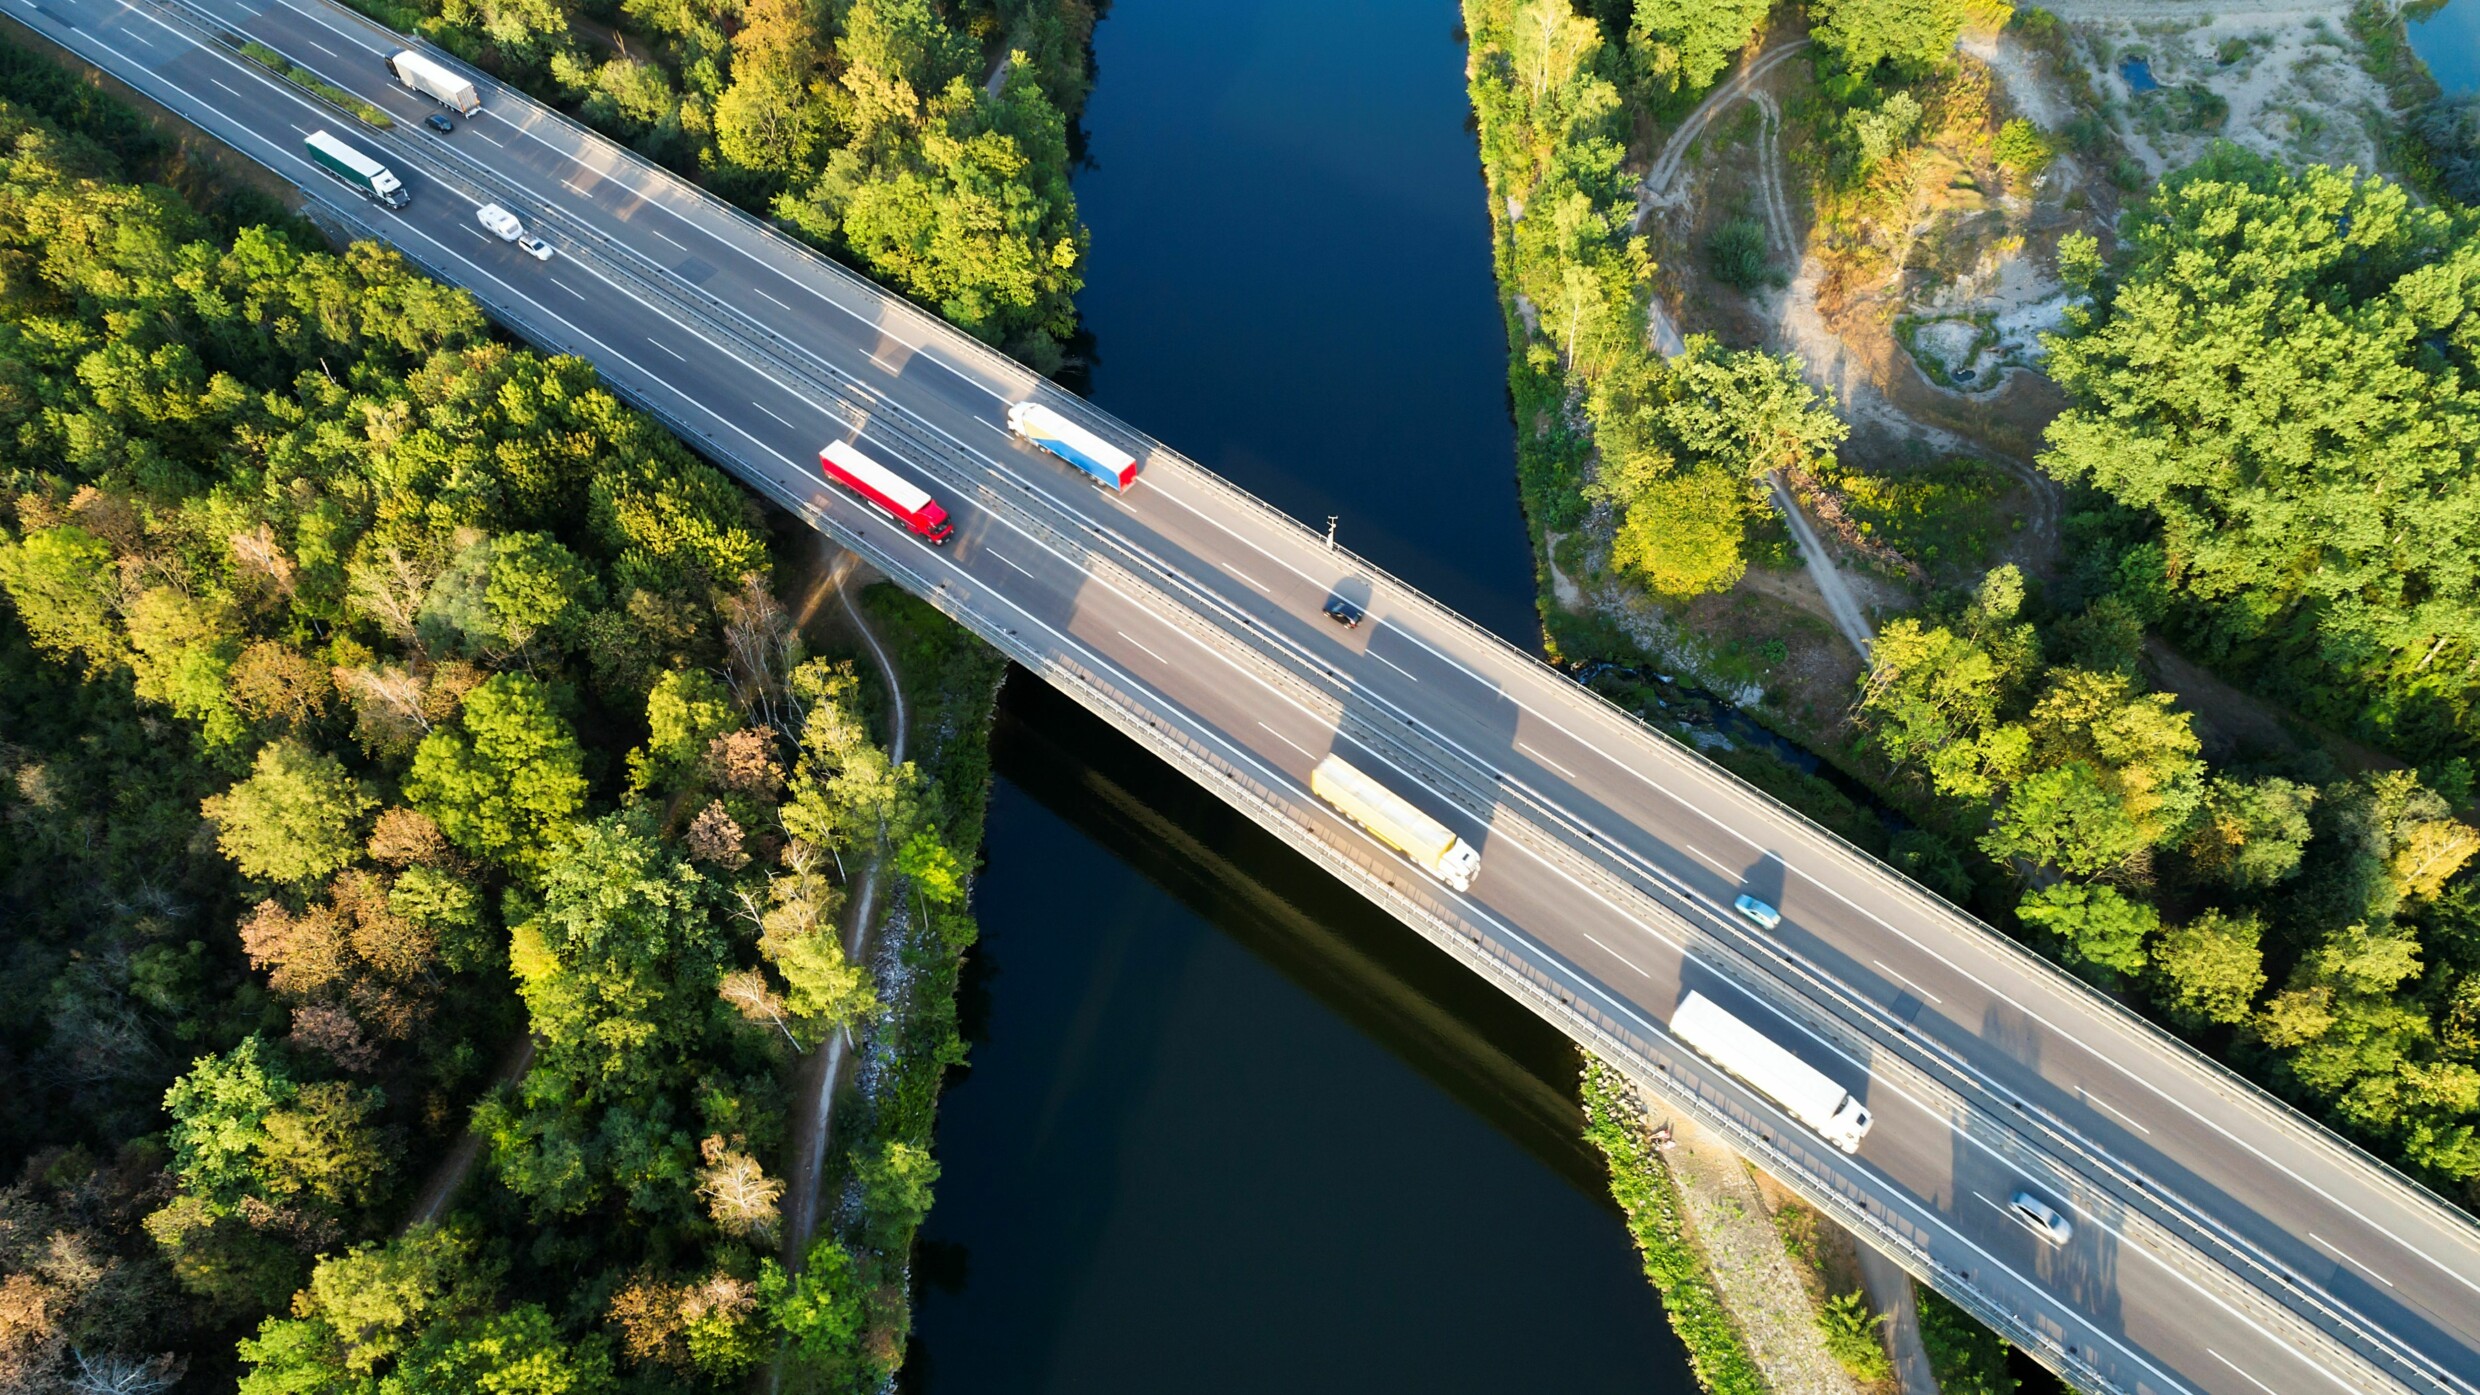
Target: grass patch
310,82
1644,1190
1943,516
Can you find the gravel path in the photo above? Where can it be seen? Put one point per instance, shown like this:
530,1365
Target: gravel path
1744,1253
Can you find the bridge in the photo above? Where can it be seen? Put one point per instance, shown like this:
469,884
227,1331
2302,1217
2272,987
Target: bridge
2222,1242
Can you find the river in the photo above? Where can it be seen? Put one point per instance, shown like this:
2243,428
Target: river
1227,1127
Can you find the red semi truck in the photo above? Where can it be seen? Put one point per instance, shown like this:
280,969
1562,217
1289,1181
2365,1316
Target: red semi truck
901,498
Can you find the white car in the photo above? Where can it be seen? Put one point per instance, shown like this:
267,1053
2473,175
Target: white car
499,222
2039,1217
1759,912
534,247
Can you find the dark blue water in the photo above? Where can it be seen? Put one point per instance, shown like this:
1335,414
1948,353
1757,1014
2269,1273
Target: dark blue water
1230,1129
2138,73
1227,1127
1291,276
2449,43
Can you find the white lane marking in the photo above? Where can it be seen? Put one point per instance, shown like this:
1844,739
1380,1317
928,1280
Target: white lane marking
1390,663
1554,765
1398,627
578,189
2269,1390
1270,731
299,129
1932,997
1714,862
763,408
563,285
321,47
2099,1103
220,83
480,135
353,39
684,358
411,232
2338,1254
1132,639
764,296
1007,559
1253,581
1613,953
674,241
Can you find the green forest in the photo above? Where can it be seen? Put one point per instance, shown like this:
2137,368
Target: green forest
399,735
926,140
2271,446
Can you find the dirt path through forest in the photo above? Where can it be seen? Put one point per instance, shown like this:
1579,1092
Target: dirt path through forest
448,1178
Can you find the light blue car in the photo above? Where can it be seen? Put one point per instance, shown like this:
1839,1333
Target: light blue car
1764,915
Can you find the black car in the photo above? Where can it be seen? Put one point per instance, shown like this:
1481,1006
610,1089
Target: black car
1343,612
439,123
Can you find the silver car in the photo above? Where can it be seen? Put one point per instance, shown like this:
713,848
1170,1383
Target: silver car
2040,1217
534,247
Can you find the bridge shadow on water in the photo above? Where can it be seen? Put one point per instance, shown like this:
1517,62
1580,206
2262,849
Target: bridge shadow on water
1231,1127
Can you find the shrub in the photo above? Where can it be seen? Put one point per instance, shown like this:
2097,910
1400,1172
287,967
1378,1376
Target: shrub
2022,148
1737,254
1851,1335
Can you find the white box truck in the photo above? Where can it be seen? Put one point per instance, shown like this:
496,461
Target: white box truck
436,81
1801,1089
1395,823
369,178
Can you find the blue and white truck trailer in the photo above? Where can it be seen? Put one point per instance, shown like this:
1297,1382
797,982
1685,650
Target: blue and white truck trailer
1107,463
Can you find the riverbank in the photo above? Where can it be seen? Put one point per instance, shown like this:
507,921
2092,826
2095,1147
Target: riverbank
874,1182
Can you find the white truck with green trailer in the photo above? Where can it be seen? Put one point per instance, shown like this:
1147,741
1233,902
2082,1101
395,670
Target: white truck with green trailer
372,180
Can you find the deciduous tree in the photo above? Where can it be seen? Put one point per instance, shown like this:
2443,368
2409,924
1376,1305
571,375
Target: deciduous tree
295,820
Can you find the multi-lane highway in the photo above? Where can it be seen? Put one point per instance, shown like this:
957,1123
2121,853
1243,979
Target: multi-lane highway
2221,1243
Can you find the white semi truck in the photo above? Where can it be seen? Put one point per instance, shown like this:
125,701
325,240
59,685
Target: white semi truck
1396,823
1801,1089
435,80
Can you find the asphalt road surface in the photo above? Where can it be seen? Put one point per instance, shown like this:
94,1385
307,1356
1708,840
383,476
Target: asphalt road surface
2222,1243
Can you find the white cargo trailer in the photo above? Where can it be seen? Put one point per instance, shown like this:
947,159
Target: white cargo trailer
1396,823
1801,1089
436,81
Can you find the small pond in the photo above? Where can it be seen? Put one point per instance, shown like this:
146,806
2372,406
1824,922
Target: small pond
2448,41
2137,71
